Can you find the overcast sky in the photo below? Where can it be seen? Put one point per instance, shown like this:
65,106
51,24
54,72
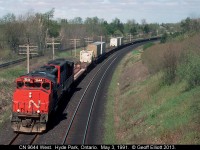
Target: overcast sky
160,11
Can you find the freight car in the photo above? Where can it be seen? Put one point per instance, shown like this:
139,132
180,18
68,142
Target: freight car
117,41
98,49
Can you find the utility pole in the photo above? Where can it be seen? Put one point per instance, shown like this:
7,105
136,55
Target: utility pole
74,41
53,47
101,43
101,38
130,36
33,50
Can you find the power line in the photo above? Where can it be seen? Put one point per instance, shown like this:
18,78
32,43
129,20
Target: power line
88,40
30,50
74,41
53,43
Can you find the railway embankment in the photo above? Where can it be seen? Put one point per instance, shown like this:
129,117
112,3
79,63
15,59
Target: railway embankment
154,95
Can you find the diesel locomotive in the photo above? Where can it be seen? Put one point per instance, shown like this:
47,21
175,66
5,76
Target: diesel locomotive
37,94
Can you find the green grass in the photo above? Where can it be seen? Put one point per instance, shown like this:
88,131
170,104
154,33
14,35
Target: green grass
109,136
148,45
7,55
12,72
135,52
151,113
69,54
7,85
110,121
64,54
5,117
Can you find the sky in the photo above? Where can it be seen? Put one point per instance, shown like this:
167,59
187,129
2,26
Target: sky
153,11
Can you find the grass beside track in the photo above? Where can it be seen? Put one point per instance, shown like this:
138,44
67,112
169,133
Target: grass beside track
146,112
112,99
7,87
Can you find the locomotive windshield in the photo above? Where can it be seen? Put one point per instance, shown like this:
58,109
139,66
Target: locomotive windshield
34,83
20,84
46,86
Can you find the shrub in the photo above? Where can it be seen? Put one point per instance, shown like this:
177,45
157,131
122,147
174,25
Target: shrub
169,66
177,60
189,69
164,38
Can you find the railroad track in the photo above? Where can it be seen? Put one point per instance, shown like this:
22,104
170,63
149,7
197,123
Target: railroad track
20,138
12,62
84,132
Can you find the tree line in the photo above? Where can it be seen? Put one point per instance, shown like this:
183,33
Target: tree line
35,28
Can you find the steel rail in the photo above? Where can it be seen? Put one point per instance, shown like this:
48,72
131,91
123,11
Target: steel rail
15,137
32,141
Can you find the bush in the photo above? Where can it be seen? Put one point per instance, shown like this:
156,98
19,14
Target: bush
164,38
177,60
189,69
169,66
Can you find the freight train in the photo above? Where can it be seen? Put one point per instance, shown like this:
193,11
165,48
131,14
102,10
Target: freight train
37,93
116,41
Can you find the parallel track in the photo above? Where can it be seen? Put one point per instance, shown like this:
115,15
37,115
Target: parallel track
12,62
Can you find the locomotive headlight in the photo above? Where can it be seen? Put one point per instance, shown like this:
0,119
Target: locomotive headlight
18,110
30,95
38,111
